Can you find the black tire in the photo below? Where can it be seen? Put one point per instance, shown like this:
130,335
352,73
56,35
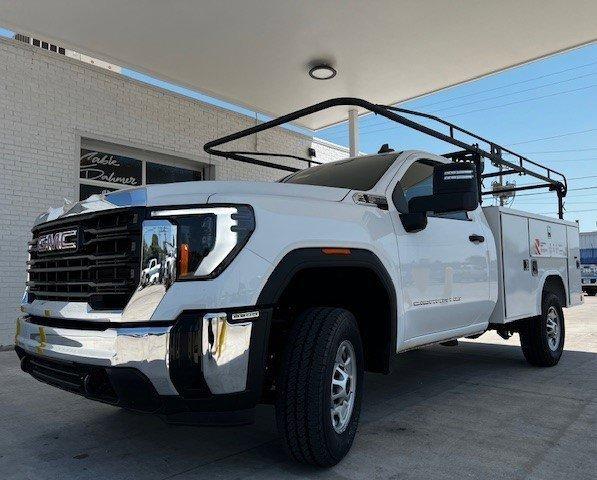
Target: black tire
303,405
534,337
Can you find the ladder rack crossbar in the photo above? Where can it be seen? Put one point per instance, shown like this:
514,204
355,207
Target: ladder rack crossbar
547,175
553,180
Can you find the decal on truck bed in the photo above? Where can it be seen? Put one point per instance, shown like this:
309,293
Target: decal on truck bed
548,249
547,240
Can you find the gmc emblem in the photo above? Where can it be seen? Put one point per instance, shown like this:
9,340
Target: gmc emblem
50,242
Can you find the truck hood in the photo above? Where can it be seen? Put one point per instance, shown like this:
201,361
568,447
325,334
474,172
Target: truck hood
199,192
190,193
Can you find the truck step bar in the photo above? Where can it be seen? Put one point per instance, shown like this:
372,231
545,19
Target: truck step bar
471,152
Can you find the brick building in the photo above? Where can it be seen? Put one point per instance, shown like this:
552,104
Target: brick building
69,129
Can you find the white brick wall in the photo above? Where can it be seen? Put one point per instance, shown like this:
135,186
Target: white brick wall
47,102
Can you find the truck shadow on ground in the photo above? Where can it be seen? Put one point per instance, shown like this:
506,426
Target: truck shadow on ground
458,405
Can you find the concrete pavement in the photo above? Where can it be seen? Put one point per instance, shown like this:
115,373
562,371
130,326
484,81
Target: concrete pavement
472,411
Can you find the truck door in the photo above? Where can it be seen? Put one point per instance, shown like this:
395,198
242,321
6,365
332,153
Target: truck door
444,267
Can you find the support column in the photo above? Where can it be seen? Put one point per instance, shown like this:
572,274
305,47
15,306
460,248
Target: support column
353,132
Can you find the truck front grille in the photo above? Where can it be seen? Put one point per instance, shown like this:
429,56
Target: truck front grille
104,268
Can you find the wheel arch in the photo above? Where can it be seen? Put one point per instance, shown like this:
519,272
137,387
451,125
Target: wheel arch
308,271
553,282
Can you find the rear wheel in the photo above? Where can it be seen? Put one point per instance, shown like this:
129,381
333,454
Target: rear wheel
320,386
542,337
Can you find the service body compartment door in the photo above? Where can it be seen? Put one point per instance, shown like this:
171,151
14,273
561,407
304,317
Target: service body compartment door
547,239
519,283
549,251
574,286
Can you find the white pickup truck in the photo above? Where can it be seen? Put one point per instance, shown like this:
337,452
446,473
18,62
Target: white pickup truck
151,274
287,292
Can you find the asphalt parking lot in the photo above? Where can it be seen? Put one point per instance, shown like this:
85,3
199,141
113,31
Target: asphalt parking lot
472,411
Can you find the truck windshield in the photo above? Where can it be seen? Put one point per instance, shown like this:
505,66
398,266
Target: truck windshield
360,173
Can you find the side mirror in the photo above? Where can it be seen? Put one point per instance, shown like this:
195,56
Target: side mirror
454,189
413,222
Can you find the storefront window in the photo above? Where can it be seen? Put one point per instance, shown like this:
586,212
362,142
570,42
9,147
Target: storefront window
105,167
85,191
158,173
108,167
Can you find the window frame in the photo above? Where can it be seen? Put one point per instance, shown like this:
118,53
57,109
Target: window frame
399,192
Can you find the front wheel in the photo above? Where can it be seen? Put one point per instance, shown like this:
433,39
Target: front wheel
320,386
542,337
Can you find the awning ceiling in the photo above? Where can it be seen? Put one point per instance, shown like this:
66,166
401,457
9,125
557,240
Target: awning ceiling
256,53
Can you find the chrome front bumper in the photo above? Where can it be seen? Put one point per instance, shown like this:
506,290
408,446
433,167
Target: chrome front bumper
142,348
222,357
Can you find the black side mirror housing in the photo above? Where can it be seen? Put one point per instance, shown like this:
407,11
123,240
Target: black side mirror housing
413,222
455,188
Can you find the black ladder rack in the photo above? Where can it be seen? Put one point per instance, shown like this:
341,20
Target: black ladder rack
520,165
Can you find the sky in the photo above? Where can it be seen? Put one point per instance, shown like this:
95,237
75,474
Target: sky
544,110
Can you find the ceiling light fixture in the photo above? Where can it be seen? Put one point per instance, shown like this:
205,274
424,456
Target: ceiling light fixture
322,72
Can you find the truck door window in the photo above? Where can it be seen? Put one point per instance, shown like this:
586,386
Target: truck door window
417,181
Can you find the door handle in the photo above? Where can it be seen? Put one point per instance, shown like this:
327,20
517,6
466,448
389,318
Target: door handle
476,238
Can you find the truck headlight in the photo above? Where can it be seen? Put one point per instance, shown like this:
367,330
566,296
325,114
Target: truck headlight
209,237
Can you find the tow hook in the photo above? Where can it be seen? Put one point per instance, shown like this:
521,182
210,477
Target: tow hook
97,385
25,364
87,385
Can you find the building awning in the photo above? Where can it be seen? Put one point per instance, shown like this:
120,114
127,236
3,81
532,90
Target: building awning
257,53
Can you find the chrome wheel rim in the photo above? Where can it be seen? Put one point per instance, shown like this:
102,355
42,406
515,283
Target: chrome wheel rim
343,386
554,329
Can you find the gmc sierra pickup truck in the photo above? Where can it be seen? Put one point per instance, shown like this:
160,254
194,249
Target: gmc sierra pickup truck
286,292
